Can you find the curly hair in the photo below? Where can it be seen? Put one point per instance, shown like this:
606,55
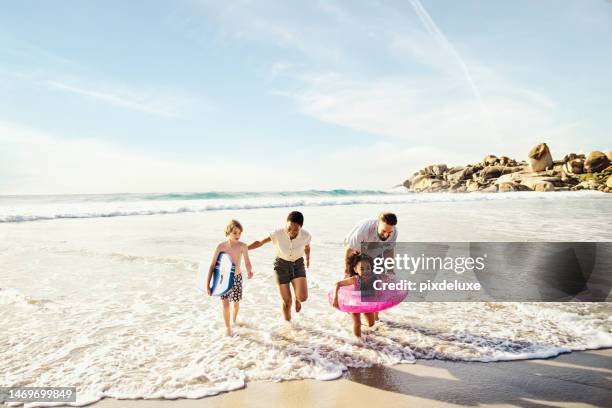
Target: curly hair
355,259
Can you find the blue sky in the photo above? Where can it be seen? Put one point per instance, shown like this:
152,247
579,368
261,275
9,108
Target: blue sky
151,96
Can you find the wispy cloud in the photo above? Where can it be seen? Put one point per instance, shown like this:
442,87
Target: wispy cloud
279,24
18,48
50,71
435,113
441,39
165,106
447,99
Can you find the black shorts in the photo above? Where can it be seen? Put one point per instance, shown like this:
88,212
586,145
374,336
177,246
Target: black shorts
286,271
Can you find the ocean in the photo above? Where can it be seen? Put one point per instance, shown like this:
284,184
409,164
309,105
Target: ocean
98,291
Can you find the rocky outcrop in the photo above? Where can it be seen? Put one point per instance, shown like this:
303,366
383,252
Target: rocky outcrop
503,174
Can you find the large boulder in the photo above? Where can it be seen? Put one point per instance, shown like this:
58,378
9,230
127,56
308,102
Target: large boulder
489,160
574,166
540,158
439,169
506,187
489,189
455,169
464,174
609,155
434,170
423,182
506,161
596,161
491,172
543,186
511,186
516,175
510,178
541,183
496,171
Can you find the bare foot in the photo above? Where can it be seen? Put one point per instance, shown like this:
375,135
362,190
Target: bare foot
356,341
228,331
298,306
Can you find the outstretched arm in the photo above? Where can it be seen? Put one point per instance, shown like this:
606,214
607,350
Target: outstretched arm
343,282
257,244
247,261
212,268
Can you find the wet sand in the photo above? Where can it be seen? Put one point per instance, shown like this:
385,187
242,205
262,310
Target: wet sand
579,379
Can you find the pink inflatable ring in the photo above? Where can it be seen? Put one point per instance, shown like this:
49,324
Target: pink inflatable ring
349,300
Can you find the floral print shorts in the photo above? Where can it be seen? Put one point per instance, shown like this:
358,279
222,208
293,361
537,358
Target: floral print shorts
235,293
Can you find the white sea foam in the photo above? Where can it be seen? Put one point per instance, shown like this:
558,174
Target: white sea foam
17,210
110,305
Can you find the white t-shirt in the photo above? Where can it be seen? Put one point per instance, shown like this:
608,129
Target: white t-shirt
290,249
366,231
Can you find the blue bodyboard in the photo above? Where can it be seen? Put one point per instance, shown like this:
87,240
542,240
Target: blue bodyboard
222,278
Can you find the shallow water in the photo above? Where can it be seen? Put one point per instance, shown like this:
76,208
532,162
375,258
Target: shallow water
109,305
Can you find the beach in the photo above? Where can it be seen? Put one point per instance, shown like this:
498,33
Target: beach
306,204
580,379
106,302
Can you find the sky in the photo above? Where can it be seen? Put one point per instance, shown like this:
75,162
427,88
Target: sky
197,95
